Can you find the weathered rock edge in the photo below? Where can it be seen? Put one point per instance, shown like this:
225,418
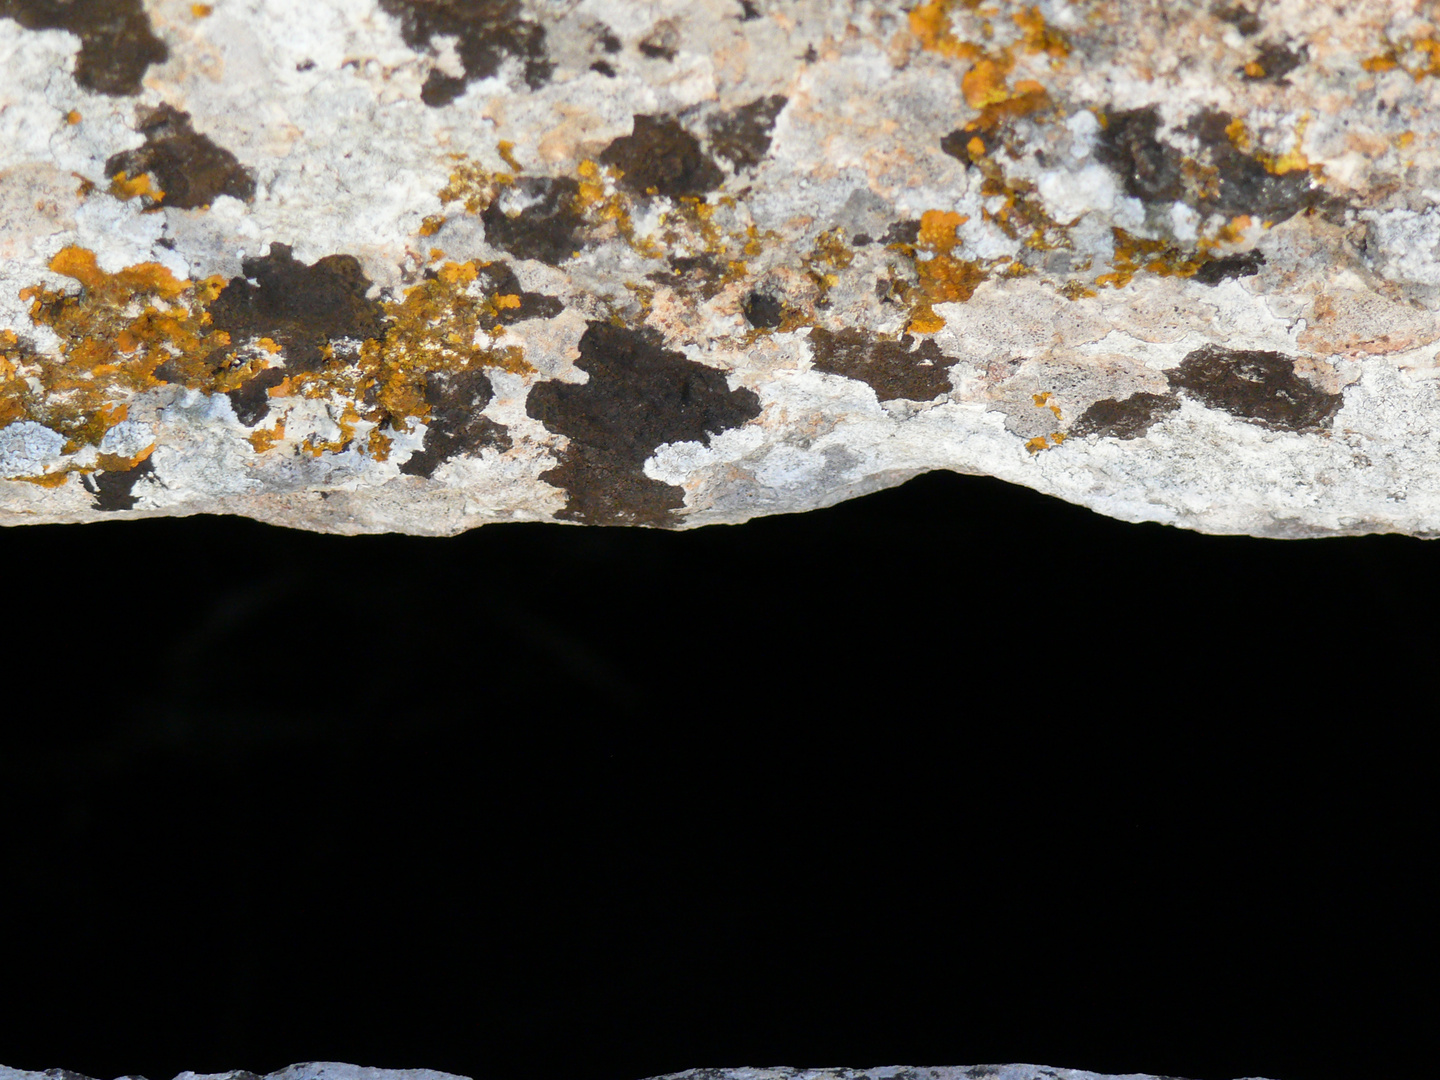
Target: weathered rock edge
392,265
328,1070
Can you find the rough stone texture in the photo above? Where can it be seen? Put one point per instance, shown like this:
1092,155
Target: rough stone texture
335,1071
363,265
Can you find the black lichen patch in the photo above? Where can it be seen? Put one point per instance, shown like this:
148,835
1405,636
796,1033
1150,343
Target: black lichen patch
957,145
1219,179
661,158
486,32
604,68
188,168
117,42
902,232
748,11
640,396
1273,62
440,89
662,43
1125,418
301,308
455,425
702,275
762,310
742,136
1241,264
545,229
252,400
893,369
1255,385
497,279
1149,168
112,489
1238,16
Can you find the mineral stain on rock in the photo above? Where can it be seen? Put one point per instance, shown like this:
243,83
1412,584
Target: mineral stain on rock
117,42
640,396
1237,183
890,368
660,157
545,223
486,33
1255,385
302,308
742,136
188,168
1124,418
455,425
112,489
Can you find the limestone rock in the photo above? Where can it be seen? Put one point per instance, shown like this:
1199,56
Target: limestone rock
336,1071
366,265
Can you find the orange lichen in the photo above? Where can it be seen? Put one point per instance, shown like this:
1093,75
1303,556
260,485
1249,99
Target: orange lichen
944,279
139,187
72,117
506,151
141,327
930,22
472,185
114,334
1040,37
1418,56
1134,253
201,11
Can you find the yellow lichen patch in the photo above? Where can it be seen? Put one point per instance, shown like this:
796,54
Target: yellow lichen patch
444,325
985,83
1042,401
1040,37
930,22
1043,442
944,279
1419,56
114,334
72,117
472,185
201,11
1134,253
431,225
139,187
1292,160
122,462
506,150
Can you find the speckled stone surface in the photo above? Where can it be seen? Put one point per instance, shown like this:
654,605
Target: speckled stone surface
336,1071
367,265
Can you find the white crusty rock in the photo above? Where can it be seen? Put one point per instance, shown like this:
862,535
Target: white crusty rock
327,1070
369,265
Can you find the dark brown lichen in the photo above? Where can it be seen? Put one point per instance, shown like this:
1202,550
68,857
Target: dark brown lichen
112,490
659,157
546,228
1241,264
455,425
251,400
742,135
117,42
1219,178
1255,385
301,308
188,169
763,310
895,370
1124,418
640,396
486,33
1273,61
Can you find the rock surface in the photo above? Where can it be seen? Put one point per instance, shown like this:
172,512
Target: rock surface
367,265
324,1070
